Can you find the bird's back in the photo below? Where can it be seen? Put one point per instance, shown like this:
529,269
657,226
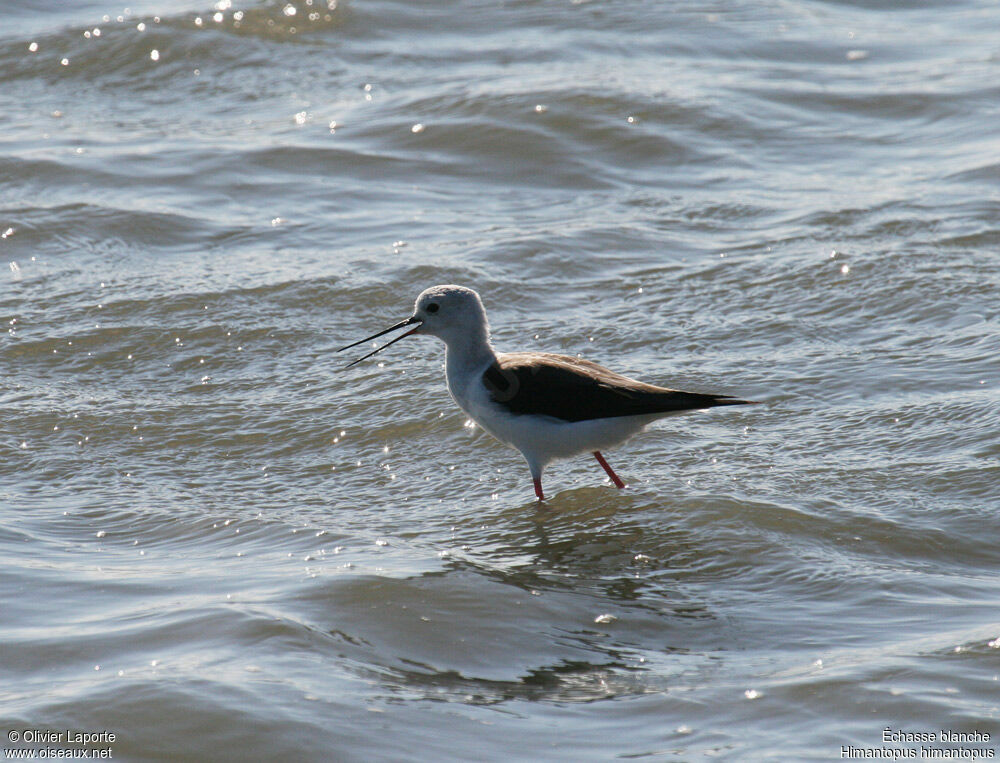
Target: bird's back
573,389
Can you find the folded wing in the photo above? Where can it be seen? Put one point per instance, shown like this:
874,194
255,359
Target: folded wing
573,389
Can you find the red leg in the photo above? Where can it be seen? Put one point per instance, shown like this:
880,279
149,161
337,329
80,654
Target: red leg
538,489
611,473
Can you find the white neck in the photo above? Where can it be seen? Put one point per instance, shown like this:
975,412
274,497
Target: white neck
468,354
470,348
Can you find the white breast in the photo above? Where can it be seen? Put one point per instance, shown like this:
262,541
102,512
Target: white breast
539,438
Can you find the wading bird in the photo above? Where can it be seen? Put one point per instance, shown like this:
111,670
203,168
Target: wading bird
546,406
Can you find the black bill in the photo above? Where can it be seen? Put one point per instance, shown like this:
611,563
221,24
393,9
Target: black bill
401,324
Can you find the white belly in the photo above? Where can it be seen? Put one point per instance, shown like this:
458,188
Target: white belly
542,438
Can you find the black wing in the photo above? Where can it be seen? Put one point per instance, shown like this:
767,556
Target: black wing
573,389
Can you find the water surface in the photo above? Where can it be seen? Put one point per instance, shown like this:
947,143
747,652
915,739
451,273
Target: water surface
219,545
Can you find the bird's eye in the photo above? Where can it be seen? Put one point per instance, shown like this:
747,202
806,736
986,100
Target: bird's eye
432,307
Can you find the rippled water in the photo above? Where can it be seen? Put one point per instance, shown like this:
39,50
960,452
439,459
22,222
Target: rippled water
216,544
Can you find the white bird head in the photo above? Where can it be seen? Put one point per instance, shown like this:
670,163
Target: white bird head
450,313
454,314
